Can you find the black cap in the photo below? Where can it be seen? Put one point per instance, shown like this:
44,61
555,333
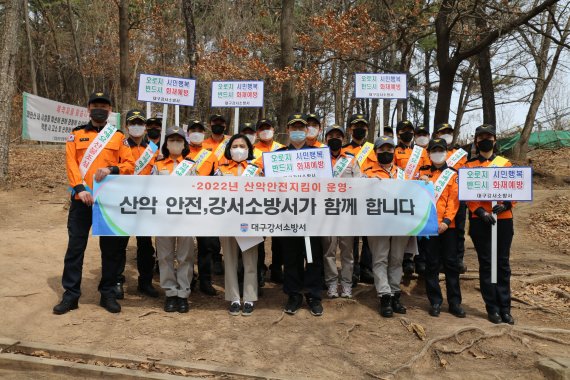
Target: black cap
156,119
403,124
246,126
485,128
196,123
136,114
217,117
296,118
314,117
380,141
99,97
334,128
421,129
388,128
175,131
357,118
442,127
262,122
437,143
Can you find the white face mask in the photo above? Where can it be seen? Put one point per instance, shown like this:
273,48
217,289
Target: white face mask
251,138
266,134
238,154
175,147
422,141
448,138
136,130
196,137
438,157
312,132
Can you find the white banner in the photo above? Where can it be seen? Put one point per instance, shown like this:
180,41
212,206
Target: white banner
246,206
237,94
380,86
169,90
314,163
47,120
495,184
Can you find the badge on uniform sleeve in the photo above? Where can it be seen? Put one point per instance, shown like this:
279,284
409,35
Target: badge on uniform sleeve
125,142
71,137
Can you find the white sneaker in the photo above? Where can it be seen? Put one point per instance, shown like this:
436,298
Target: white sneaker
346,291
332,292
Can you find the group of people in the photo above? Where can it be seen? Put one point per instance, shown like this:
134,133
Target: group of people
98,149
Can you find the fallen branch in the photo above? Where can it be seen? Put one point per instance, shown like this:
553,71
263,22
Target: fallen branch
20,295
148,313
279,319
548,279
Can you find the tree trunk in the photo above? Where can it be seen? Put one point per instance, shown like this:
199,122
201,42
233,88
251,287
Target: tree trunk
30,50
373,113
77,51
446,79
8,44
427,88
464,95
124,74
521,148
287,61
191,51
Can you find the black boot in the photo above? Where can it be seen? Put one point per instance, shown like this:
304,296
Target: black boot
207,288
147,289
386,306
119,291
64,306
110,304
397,307
408,264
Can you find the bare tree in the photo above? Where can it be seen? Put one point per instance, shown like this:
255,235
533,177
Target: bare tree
124,65
287,60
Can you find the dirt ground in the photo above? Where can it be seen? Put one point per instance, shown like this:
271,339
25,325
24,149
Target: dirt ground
350,340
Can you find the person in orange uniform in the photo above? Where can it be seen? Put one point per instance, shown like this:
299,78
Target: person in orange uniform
313,131
92,152
144,154
456,158
363,151
206,164
421,136
387,251
266,136
497,296
442,249
176,281
154,129
238,157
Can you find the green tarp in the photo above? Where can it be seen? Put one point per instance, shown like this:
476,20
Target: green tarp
542,140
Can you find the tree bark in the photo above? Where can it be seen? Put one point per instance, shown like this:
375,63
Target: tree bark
77,51
191,50
30,50
124,68
287,61
427,88
487,87
464,95
9,45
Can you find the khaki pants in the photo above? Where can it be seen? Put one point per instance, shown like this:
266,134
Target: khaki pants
230,249
175,281
330,244
387,256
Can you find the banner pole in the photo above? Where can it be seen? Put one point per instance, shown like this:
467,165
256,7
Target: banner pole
163,132
148,110
494,248
308,249
236,120
177,115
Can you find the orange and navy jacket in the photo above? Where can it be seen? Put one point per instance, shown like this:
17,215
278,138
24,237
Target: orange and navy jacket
482,162
166,163
116,156
211,144
461,163
316,144
448,202
209,166
354,148
377,171
138,150
402,155
265,147
232,168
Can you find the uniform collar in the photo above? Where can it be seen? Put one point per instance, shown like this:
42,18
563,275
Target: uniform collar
404,146
292,147
132,143
483,159
91,127
442,168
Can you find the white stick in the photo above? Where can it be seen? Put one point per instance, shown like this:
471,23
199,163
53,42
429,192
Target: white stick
163,132
148,110
177,115
381,120
494,248
236,120
308,249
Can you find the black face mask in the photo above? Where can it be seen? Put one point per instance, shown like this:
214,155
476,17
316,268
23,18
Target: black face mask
407,136
218,129
359,133
385,158
98,115
485,145
335,144
153,133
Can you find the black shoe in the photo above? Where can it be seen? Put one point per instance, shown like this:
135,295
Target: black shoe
235,308
315,306
276,276
171,304
366,276
386,306
494,318
207,288
218,268
193,283
435,310
462,268
507,318
457,310
148,290
119,291
397,307
293,304
64,306
408,267
420,269
110,304
247,309
183,306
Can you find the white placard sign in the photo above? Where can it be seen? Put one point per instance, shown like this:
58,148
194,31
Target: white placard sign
47,120
237,94
167,90
315,163
380,86
495,184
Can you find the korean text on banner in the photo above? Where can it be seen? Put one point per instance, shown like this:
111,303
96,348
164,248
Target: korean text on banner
380,86
314,163
495,184
168,90
237,94
246,206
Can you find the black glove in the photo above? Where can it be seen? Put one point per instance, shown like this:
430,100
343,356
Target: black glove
501,207
485,216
